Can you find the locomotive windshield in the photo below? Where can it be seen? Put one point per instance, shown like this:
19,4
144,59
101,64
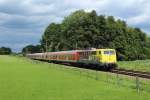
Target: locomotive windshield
109,52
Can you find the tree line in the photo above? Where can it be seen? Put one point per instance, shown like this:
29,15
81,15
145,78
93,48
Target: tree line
32,49
85,30
5,51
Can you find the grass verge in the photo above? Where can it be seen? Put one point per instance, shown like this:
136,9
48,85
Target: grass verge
23,79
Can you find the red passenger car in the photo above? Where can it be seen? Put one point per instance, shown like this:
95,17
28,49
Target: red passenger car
71,56
63,56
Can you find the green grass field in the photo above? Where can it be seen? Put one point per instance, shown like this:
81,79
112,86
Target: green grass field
139,65
23,79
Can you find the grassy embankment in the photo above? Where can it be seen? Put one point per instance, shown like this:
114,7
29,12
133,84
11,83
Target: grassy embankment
139,65
23,79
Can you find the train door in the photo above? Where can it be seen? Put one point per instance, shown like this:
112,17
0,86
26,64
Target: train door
106,56
94,56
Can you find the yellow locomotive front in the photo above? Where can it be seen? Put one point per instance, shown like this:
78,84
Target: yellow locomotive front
108,56
105,57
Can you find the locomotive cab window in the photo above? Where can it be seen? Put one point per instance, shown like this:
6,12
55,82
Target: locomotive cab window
110,52
106,52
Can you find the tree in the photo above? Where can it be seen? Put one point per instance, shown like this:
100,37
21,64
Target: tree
84,30
5,51
51,37
32,49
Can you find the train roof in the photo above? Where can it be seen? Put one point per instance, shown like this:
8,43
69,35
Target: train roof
70,52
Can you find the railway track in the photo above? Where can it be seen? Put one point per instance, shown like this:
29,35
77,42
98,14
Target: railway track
132,73
119,71
116,70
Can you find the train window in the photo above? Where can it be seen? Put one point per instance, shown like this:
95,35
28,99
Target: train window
112,52
64,56
93,52
109,52
87,53
106,52
99,52
69,57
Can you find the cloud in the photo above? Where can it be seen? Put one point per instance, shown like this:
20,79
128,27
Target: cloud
23,22
17,39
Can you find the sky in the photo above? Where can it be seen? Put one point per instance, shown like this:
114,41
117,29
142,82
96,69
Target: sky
22,22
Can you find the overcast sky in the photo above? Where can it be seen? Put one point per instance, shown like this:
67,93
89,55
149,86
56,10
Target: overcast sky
22,22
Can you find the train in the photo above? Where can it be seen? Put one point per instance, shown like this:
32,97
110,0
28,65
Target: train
101,58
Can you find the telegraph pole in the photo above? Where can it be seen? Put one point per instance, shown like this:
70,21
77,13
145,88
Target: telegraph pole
46,45
46,50
76,45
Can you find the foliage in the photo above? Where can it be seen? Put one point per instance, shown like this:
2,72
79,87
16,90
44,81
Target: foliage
5,51
83,30
51,38
32,49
